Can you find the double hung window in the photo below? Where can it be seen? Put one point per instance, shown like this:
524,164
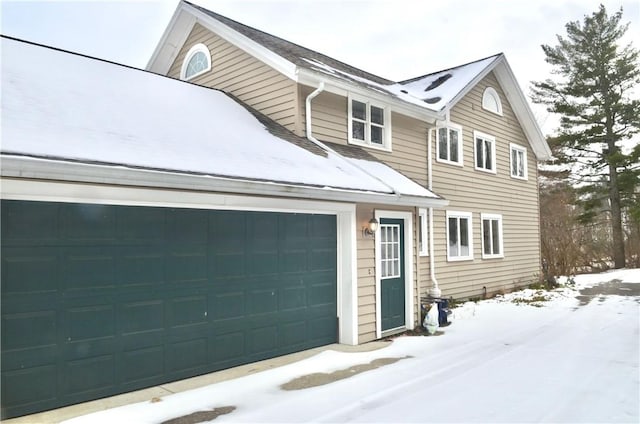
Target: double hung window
449,144
368,124
485,149
459,236
491,236
518,161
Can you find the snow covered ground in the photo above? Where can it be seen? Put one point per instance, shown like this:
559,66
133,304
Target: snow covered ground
572,358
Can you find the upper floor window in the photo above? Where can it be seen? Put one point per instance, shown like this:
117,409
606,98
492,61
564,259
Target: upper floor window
459,236
369,124
518,161
449,144
485,149
491,101
196,62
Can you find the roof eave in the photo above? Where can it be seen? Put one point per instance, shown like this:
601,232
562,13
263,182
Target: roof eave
57,170
341,87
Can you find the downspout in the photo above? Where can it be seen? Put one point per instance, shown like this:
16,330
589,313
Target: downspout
323,146
435,290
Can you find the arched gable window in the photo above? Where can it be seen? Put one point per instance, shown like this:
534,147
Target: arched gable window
491,101
196,62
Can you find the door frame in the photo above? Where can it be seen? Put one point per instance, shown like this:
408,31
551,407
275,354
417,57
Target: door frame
409,285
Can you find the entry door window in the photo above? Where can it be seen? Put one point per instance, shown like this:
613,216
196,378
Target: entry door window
390,250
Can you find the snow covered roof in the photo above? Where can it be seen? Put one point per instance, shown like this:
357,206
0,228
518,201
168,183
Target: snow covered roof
84,110
297,62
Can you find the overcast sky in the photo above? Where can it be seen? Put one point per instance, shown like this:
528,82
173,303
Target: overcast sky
395,39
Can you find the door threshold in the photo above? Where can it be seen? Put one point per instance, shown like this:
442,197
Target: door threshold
393,331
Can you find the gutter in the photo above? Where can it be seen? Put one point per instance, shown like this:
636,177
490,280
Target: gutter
75,172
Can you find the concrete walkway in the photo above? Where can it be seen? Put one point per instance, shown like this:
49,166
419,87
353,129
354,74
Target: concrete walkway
145,395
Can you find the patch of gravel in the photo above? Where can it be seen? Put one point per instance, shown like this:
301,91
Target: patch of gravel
201,416
320,379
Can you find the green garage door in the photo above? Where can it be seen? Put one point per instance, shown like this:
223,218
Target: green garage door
99,300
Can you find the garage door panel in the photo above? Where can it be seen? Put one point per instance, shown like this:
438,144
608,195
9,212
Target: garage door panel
227,305
140,365
88,268
31,388
22,224
28,270
186,355
93,374
141,266
88,222
138,296
142,316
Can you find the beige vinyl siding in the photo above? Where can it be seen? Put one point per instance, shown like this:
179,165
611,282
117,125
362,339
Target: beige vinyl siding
470,190
366,264
329,116
236,72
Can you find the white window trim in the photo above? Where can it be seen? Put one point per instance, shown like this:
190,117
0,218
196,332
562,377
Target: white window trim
192,51
423,229
386,145
517,147
490,91
493,217
458,128
487,137
459,214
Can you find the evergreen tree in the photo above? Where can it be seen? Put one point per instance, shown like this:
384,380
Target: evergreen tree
593,92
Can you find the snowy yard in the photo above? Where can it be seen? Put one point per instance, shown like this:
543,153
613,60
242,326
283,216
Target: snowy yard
572,358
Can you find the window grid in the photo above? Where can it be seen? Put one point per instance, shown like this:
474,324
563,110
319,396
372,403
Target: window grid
390,251
368,124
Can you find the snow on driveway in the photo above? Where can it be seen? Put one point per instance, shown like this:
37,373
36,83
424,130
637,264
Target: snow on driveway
500,361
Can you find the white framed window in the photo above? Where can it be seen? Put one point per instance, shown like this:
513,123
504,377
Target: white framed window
491,101
485,152
390,251
423,233
196,62
492,245
459,236
369,123
518,166
449,144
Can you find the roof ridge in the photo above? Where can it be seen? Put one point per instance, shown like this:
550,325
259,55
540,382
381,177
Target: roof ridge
449,69
283,43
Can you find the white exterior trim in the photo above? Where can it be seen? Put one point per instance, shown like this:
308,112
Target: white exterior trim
409,284
493,217
465,215
185,63
518,148
491,94
492,139
423,232
387,139
347,281
450,126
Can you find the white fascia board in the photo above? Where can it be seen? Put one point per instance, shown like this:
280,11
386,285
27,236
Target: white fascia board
343,88
472,84
45,169
523,112
243,42
174,37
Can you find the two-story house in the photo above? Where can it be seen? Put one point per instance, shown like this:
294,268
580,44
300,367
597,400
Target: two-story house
241,199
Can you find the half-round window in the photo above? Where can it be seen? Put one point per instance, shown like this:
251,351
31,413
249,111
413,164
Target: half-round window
491,101
196,62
